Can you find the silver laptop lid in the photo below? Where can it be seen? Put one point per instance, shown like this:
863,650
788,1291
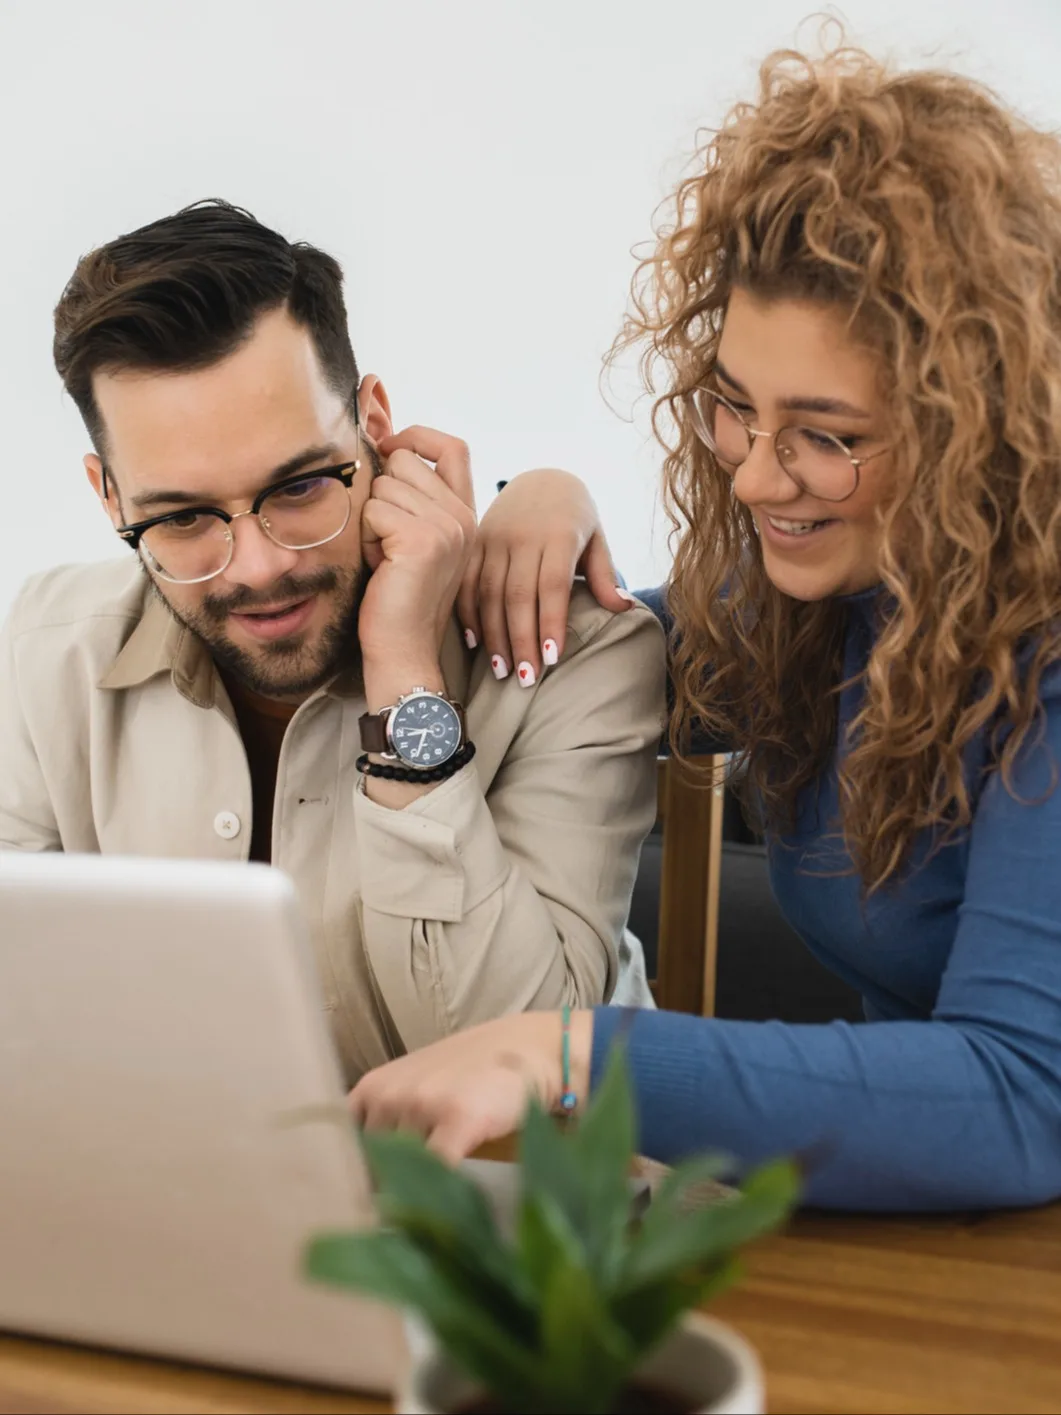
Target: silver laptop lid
159,1019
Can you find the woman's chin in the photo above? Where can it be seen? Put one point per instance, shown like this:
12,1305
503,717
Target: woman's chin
803,582
816,582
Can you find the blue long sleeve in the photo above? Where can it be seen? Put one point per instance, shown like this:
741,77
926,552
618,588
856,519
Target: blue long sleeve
951,1096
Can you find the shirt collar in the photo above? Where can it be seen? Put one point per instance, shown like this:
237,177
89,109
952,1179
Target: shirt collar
161,644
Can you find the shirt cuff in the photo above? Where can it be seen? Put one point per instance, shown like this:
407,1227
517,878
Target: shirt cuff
437,858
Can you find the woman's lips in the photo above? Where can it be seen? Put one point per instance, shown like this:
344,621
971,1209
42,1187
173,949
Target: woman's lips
778,535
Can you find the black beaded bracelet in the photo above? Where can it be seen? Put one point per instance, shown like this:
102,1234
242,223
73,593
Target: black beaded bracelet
411,774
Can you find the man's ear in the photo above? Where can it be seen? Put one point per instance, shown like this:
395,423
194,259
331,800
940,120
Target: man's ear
374,408
94,471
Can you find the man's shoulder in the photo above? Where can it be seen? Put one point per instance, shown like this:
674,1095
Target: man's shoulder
587,621
109,593
68,625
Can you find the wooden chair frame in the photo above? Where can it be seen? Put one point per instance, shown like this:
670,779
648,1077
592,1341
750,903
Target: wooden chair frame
690,812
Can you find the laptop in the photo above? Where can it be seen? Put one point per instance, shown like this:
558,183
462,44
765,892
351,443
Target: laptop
161,1028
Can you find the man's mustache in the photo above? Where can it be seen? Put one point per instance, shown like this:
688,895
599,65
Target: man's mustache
289,588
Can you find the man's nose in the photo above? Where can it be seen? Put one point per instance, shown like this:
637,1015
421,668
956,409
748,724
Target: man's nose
761,479
257,561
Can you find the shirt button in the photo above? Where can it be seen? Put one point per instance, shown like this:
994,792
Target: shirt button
226,824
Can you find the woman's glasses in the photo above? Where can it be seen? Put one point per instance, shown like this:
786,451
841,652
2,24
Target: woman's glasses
819,462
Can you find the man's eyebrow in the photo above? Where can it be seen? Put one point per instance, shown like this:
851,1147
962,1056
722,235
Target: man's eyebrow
835,406
150,500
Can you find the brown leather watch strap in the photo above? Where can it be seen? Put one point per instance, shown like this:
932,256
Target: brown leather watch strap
374,731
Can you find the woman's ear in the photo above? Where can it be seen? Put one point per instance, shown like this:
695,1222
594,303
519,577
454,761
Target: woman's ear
374,408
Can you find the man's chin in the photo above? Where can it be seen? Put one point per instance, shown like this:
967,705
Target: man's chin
289,665
291,668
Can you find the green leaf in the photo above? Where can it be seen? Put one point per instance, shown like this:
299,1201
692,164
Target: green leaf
412,1179
544,1241
604,1146
671,1198
678,1244
648,1313
585,1171
446,1214
388,1266
494,1279
780,1181
588,1357
549,1168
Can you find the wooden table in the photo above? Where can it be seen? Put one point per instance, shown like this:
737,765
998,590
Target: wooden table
849,1314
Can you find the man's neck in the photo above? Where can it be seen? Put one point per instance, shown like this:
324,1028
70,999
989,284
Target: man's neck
267,705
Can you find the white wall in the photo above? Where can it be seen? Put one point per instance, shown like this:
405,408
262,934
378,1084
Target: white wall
481,168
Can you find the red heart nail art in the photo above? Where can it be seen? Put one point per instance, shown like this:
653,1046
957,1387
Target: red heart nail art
523,673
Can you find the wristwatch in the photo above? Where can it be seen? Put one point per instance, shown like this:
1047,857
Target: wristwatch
422,729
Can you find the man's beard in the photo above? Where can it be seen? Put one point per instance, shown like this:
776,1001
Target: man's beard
284,668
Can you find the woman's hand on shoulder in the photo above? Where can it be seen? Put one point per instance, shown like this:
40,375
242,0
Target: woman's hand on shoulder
542,530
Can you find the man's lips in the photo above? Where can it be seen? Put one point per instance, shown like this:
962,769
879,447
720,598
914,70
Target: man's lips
277,622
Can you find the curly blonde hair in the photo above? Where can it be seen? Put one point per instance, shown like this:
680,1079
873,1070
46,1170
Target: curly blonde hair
916,203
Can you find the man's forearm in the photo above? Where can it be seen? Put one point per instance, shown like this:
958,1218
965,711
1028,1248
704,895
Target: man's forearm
458,932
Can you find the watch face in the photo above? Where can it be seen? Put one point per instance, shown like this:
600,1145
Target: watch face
425,731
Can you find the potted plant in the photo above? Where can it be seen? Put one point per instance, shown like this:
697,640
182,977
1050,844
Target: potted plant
586,1309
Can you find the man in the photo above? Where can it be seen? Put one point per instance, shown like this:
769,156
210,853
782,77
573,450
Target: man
276,674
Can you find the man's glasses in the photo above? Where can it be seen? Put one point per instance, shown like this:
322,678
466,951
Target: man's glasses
819,462
196,543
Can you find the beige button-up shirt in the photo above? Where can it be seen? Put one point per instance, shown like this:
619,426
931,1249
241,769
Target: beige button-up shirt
504,889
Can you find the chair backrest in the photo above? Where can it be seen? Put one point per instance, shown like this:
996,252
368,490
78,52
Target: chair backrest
690,815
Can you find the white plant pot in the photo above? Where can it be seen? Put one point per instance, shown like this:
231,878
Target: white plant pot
715,1370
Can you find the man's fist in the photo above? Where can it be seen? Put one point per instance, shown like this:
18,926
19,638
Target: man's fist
417,532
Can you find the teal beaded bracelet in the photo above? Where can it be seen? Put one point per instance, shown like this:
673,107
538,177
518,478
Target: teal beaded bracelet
568,1099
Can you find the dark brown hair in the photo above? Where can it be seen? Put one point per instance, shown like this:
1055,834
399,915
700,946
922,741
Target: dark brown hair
183,292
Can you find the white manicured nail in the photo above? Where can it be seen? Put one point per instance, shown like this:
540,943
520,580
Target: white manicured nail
550,657
500,667
526,675
470,639
625,594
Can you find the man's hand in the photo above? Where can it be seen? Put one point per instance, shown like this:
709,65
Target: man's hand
417,530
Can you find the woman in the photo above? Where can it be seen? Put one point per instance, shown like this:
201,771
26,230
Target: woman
855,317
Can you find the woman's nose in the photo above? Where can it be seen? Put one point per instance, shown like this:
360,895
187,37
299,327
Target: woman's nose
761,479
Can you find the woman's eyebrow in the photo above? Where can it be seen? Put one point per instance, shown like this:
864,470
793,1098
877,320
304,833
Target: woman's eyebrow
801,404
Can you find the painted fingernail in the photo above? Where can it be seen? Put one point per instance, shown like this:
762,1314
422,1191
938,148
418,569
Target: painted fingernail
625,594
470,639
526,675
549,653
500,667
